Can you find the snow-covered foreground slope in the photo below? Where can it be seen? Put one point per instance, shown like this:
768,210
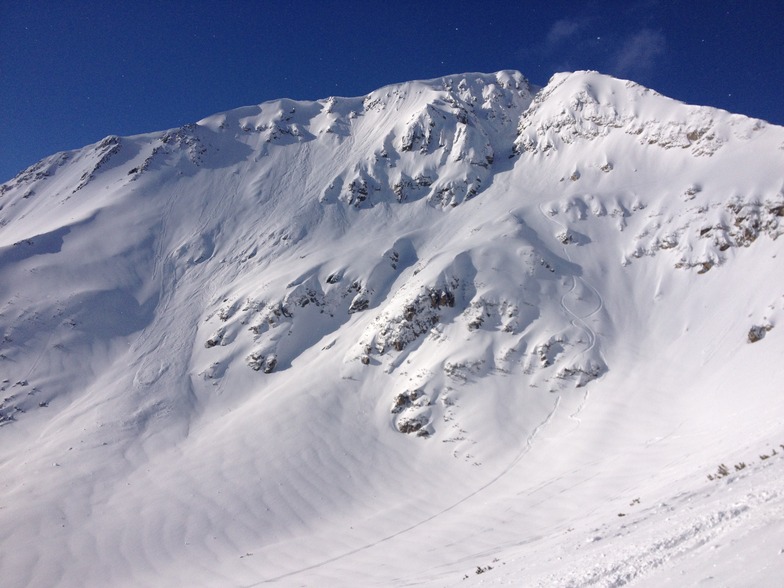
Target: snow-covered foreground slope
455,332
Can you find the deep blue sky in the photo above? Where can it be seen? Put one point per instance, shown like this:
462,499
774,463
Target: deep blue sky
72,72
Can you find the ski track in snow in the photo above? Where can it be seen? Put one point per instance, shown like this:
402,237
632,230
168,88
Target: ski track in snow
577,321
479,491
575,318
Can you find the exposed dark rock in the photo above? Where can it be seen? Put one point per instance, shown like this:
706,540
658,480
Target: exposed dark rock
758,332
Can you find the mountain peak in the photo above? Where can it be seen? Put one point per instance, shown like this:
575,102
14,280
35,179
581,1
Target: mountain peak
587,104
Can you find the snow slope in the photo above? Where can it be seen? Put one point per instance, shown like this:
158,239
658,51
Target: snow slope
456,332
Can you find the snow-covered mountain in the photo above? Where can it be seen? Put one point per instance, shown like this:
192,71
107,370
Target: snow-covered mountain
457,331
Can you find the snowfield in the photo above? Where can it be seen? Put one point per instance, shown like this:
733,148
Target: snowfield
457,332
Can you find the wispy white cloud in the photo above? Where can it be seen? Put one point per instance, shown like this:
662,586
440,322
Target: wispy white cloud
563,30
584,42
638,55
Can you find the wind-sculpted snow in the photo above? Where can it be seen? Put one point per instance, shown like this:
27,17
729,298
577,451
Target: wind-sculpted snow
582,106
461,330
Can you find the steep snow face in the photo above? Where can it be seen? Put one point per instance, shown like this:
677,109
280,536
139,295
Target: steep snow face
433,139
309,341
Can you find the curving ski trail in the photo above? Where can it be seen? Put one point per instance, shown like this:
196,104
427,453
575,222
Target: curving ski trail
575,317
576,320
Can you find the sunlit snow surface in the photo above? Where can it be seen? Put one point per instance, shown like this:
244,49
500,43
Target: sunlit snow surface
456,332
